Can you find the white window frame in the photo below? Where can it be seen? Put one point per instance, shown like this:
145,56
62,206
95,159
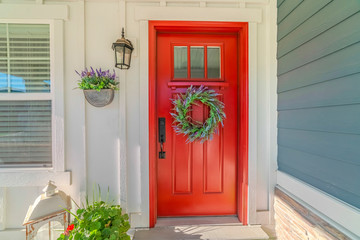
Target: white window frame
38,176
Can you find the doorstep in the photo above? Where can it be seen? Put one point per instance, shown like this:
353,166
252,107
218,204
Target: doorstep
209,229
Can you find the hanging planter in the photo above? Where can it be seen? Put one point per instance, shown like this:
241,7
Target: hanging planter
99,98
98,86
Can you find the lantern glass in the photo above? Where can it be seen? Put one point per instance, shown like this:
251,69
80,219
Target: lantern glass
50,231
119,50
127,57
122,56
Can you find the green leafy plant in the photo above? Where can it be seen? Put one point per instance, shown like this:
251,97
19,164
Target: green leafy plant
98,221
97,79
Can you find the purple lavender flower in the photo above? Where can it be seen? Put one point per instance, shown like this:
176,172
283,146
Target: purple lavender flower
96,73
97,79
92,72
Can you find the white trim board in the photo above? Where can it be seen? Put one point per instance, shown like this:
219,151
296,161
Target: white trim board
253,122
199,14
36,11
343,216
254,15
33,178
57,90
11,177
144,124
2,208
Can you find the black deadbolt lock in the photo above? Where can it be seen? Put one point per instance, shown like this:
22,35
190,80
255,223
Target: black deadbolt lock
162,137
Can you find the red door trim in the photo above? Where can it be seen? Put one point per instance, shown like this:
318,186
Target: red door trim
182,26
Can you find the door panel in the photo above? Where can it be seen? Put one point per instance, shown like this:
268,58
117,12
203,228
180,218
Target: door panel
214,164
197,178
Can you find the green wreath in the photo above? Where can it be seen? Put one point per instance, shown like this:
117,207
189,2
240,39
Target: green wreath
183,123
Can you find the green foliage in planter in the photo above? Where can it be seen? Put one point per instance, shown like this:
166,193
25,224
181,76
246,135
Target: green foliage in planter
97,79
98,221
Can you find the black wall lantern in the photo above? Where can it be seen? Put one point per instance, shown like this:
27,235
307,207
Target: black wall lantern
123,49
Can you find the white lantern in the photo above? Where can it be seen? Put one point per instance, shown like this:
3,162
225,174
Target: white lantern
48,207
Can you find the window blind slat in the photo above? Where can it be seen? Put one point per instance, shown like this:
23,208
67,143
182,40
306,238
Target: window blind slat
24,156
23,129
34,114
3,40
15,162
29,150
25,132
25,144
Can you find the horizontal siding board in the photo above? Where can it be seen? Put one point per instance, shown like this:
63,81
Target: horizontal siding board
279,2
316,181
303,12
338,119
286,8
338,64
335,92
329,173
333,13
336,38
343,148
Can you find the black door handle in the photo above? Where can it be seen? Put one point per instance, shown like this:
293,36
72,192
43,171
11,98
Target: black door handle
162,137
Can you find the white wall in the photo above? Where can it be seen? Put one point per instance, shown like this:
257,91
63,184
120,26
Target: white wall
102,125
108,146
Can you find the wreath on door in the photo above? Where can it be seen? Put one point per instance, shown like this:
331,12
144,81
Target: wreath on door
184,124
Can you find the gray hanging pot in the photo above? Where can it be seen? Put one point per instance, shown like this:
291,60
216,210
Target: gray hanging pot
99,99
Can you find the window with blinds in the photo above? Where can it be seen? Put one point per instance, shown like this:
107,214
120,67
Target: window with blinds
25,133
25,126
24,58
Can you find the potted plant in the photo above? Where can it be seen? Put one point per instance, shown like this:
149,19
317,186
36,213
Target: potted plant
98,220
98,86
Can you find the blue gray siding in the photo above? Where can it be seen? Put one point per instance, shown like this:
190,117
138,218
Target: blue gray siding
319,94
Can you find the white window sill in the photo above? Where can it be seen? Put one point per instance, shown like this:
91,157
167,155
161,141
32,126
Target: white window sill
28,178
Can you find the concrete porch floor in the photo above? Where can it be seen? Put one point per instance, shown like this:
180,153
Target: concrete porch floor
210,228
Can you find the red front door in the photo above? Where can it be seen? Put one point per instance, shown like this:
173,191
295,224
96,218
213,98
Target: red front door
197,178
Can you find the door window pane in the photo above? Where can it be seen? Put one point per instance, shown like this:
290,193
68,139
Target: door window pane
197,62
213,62
180,62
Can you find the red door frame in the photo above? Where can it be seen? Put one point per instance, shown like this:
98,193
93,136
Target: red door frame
241,29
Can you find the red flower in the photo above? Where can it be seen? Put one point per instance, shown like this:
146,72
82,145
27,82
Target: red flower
70,227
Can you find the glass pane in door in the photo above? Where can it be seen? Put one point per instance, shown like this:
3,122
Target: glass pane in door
213,62
197,62
180,62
